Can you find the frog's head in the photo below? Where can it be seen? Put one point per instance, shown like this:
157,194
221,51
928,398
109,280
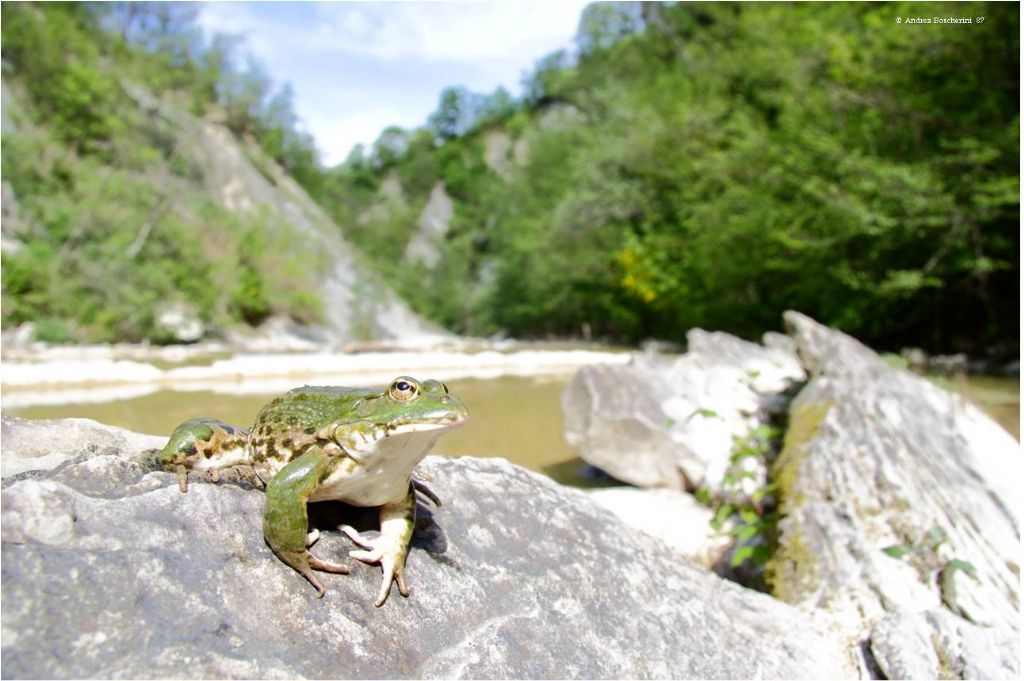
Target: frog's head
408,417
409,405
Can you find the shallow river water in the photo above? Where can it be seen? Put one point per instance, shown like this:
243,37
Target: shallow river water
515,417
518,418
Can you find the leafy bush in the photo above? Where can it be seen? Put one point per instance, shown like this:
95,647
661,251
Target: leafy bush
51,330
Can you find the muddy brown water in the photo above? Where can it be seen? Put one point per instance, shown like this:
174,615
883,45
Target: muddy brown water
518,418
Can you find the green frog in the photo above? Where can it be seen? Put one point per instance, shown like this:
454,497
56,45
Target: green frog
320,443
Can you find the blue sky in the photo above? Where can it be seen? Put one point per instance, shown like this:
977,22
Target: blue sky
358,67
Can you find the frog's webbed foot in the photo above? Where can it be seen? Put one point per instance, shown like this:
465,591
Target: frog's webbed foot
211,474
390,548
305,563
240,474
322,565
388,552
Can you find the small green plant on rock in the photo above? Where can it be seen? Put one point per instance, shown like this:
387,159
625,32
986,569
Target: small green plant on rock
924,557
754,519
746,511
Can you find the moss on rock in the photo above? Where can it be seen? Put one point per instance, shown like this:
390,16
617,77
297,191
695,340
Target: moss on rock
793,561
804,421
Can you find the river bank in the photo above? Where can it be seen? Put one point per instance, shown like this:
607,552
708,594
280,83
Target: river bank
39,380
33,375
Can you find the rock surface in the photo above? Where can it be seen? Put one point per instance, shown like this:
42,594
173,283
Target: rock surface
665,421
180,322
877,457
108,570
671,516
497,145
40,446
936,644
424,246
874,458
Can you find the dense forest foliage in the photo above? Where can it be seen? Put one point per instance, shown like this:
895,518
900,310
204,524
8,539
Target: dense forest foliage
686,164
725,162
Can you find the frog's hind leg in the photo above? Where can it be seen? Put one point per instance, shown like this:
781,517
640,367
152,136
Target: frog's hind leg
205,445
286,520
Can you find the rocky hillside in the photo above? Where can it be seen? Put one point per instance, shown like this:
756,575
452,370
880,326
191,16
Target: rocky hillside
238,176
145,197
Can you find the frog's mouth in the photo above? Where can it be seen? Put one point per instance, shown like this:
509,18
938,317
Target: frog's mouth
453,414
449,420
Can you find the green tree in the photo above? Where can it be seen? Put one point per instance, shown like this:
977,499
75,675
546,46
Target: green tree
602,24
455,113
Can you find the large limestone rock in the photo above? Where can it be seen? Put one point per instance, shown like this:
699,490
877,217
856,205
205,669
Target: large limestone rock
497,144
664,421
898,501
33,447
109,571
425,245
877,457
389,201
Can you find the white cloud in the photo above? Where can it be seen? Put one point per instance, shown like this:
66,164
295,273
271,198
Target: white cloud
357,67
336,133
228,17
445,31
428,31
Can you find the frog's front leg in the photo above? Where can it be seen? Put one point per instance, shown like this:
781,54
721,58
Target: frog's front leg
285,521
392,546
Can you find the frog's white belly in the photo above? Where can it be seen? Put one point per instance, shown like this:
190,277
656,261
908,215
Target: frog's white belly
380,469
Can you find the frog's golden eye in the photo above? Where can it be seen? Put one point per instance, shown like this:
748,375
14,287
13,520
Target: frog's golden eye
403,390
